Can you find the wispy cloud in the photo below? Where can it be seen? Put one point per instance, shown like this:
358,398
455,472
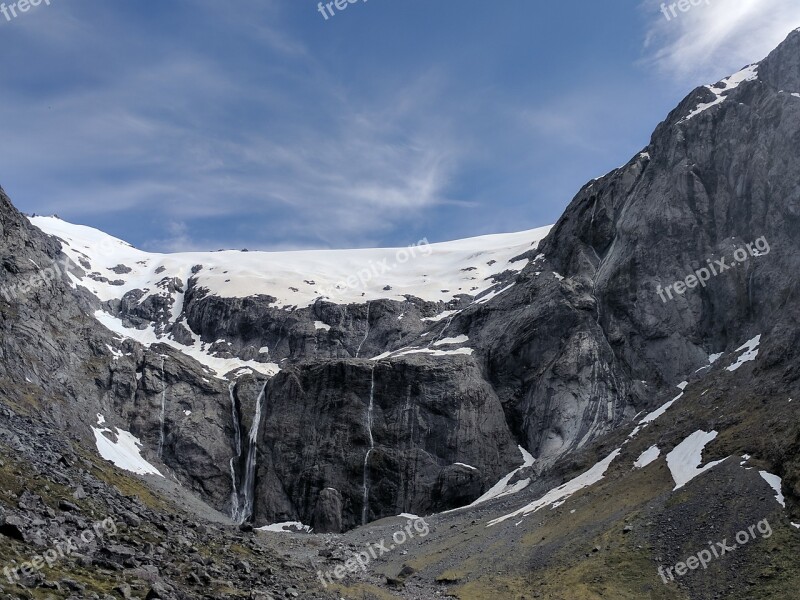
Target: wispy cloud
190,138
202,124
716,37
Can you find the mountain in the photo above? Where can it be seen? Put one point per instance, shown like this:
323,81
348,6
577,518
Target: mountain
596,406
246,316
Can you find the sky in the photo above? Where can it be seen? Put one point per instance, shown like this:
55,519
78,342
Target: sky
262,124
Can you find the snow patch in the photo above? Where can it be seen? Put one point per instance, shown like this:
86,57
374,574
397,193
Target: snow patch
556,497
647,457
408,516
440,317
319,325
721,90
429,351
461,339
382,356
286,527
504,487
775,483
751,352
493,294
647,419
124,453
684,461
466,465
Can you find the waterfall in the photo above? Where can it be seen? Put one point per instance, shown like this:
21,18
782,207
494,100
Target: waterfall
365,505
235,516
441,333
235,506
249,483
366,335
235,415
407,423
163,409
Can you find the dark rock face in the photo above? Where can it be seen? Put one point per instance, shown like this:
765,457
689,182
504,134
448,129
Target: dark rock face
317,435
552,366
352,331
457,485
328,512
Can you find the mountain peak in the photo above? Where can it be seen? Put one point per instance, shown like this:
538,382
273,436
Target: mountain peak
781,69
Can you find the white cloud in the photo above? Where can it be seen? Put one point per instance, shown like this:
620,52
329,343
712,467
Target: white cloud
716,37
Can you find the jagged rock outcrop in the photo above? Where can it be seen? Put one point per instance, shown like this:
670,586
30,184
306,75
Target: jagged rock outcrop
327,516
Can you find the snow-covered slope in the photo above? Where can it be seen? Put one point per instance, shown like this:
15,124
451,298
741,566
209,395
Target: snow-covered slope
434,272
282,280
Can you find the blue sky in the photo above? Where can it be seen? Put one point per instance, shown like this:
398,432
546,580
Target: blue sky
198,124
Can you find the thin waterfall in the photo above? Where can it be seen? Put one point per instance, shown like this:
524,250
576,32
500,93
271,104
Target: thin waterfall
366,335
235,516
236,459
365,505
163,409
441,333
249,483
